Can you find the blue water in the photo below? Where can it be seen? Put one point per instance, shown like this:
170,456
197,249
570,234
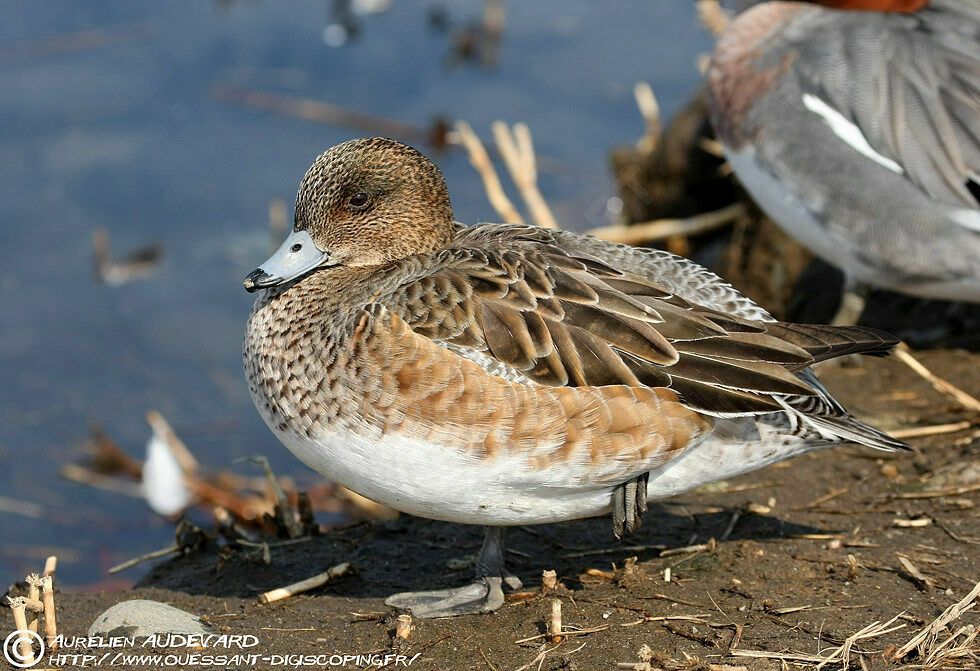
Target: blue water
126,135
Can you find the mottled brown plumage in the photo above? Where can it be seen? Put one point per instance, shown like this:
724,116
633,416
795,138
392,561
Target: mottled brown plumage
508,374
373,342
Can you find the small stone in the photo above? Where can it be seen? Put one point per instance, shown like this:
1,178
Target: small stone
140,618
890,471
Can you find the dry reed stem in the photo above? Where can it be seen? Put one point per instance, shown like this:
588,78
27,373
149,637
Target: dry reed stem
304,585
713,16
517,150
842,653
927,636
921,581
282,510
549,580
942,386
919,431
651,231
170,549
554,624
34,595
481,162
25,650
403,626
646,100
50,622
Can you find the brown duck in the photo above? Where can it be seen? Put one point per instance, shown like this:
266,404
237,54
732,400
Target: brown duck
507,374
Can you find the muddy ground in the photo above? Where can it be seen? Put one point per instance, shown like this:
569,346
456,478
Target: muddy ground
781,576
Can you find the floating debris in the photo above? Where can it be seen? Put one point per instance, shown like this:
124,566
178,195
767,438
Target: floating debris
138,264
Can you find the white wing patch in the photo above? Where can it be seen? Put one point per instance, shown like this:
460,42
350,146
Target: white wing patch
847,131
968,218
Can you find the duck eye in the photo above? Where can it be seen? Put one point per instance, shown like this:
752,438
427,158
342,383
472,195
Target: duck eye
359,199
296,247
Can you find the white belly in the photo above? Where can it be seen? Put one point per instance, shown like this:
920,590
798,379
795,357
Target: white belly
445,484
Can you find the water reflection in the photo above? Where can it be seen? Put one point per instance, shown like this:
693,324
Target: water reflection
109,120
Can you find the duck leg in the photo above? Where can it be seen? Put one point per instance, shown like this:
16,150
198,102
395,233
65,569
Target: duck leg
629,504
483,595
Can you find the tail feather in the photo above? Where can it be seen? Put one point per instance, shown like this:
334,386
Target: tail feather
825,415
824,342
851,429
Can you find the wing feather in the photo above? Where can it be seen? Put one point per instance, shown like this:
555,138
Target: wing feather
550,305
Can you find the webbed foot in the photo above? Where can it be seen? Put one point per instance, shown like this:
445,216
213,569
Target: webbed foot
481,596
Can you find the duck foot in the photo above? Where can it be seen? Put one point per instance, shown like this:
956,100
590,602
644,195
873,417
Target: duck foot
484,595
481,596
629,504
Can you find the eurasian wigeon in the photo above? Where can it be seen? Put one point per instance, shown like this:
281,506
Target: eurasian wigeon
856,127
508,374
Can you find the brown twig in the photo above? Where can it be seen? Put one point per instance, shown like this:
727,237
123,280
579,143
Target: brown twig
930,632
903,354
170,549
935,429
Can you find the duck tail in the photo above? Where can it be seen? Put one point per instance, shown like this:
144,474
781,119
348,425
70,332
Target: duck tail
851,429
823,342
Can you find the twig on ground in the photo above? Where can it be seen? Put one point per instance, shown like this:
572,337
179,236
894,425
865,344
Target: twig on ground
34,595
50,622
921,581
24,651
554,623
170,549
942,386
549,580
304,585
938,493
823,499
403,627
919,431
700,547
928,635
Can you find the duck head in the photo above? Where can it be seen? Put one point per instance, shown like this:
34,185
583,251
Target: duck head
365,202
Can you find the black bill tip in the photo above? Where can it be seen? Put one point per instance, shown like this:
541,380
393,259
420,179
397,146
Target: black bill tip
259,279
